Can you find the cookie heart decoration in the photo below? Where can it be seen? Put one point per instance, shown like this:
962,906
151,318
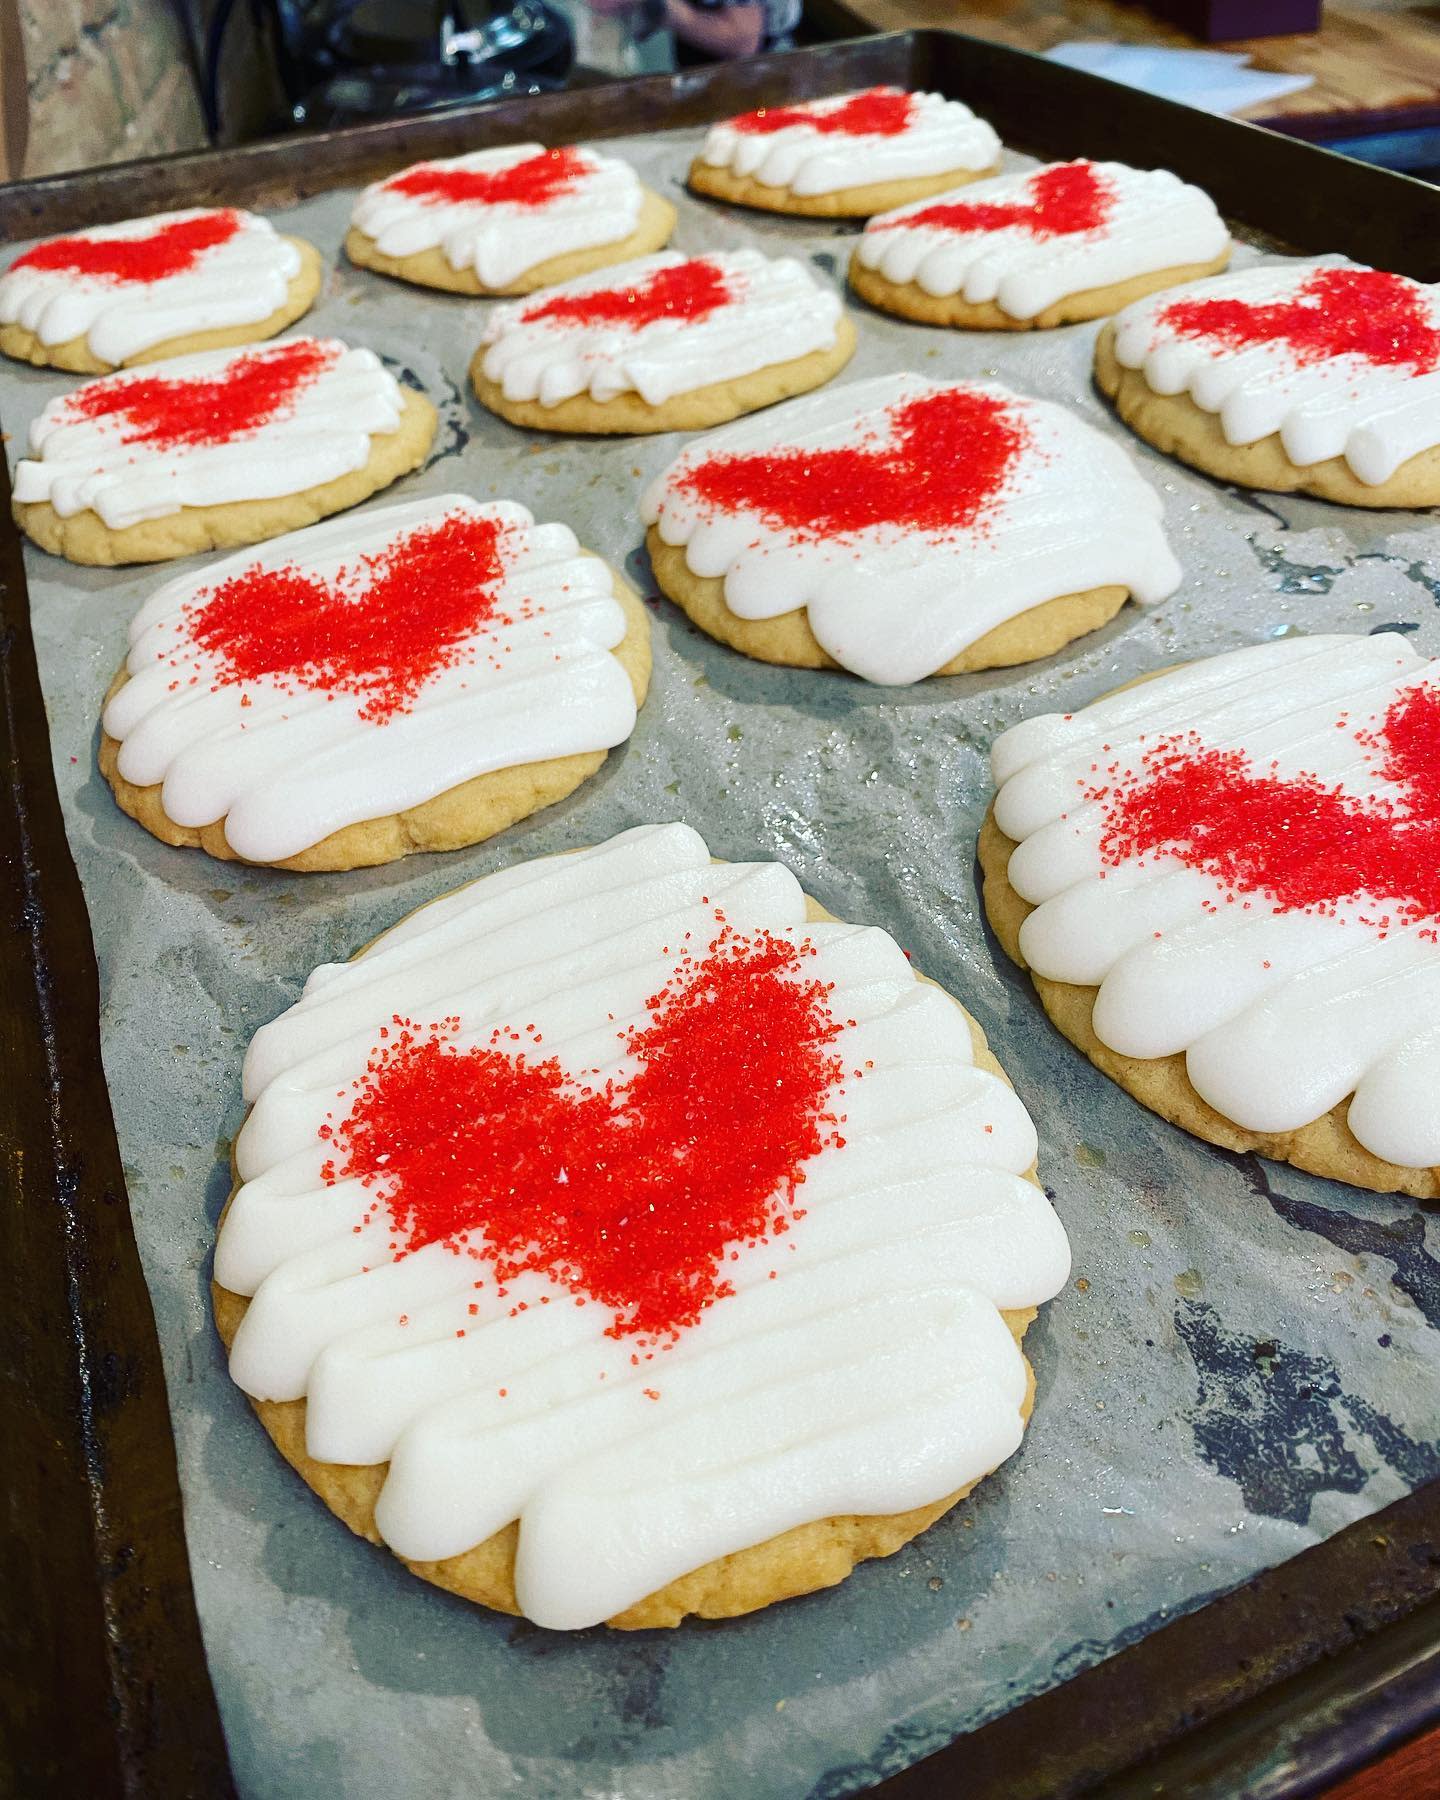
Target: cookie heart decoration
877,112
535,180
629,1194
937,464
1060,201
173,247
167,412
1383,319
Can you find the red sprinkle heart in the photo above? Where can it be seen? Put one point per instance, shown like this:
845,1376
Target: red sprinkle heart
689,290
1062,201
943,467
172,249
878,112
1305,846
1336,312
534,182
170,412
380,631
634,1195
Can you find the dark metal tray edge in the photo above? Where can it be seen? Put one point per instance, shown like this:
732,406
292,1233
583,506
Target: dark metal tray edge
104,1689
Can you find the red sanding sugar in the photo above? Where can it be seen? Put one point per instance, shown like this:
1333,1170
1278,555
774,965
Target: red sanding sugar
1304,845
634,1196
878,112
1336,312
534,182
942,469
172,249
688,290
380,632
172,412
1064,201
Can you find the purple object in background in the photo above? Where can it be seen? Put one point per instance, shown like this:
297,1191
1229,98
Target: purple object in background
1219,20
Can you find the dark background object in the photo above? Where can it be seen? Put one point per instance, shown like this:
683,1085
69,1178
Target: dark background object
103,1688
342,61
1221,19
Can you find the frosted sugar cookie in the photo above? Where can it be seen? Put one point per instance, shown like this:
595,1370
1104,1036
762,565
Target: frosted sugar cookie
625,1238
507,221
900,527
1314,376
1066,242
116,295
670,343
848,156
210,451
1224,883
415,678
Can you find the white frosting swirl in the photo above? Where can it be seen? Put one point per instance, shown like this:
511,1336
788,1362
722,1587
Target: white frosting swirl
895,602
939,135
238,282
1376,415
1281,1011
322,432
285,763
859,1366
500,241
1153,221
776,311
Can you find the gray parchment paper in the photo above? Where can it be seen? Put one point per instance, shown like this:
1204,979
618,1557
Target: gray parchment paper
1247,1360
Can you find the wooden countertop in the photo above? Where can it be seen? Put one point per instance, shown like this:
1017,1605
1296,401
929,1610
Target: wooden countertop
1376,66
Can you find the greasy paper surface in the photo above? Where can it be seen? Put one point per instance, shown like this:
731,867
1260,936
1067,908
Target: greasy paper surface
1247,1358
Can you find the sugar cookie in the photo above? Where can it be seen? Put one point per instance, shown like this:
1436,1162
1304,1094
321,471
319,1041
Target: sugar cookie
416,678
1317,377
748,1310
216,450
507,221
845,157
900,527
1066,242
154,288
1223,881
670,343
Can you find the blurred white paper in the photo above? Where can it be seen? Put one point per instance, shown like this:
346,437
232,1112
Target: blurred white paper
1216,81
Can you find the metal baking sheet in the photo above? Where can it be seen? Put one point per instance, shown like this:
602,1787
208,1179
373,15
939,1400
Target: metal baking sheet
1246,1361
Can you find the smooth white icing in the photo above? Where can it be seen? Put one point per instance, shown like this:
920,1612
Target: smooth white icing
83,465
1156,221
894,604
500,242
239,282
1280,1014
285,765
777,311
870,1374
1375,416
940,135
